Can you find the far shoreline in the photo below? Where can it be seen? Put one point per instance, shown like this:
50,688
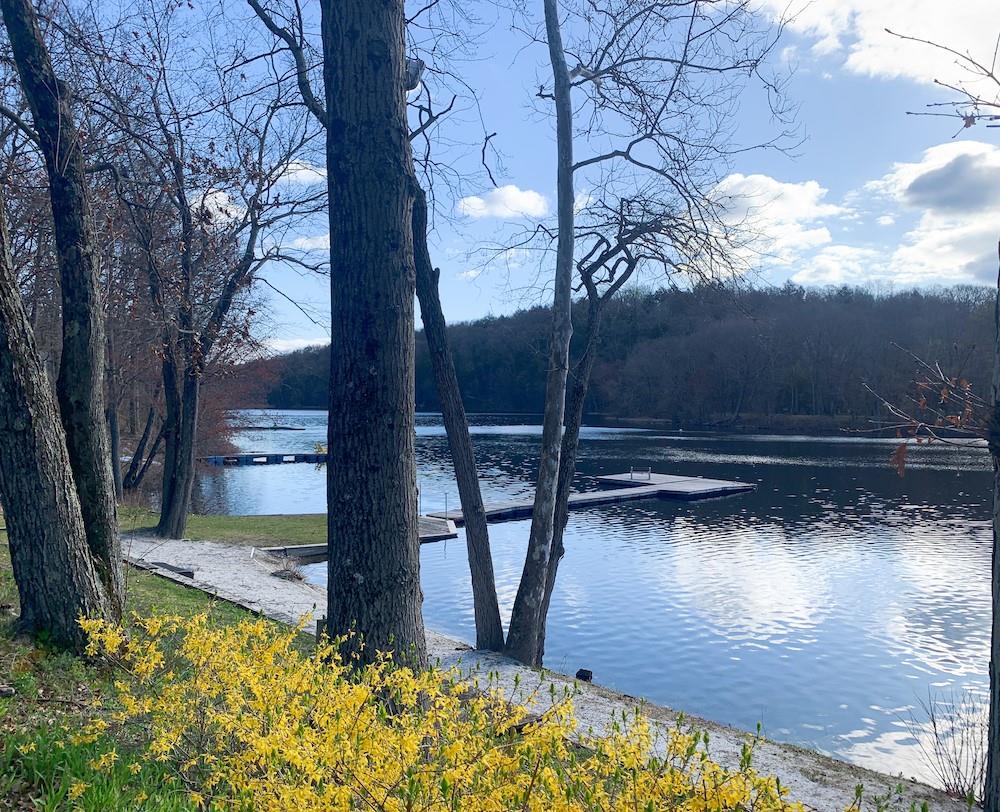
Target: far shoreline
802,425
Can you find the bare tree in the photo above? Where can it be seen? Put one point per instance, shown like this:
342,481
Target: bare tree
211,152
657,85
523,638
56,481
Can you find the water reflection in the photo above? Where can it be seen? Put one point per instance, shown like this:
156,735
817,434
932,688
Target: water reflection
825,605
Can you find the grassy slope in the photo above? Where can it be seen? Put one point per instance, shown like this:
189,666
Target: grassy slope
262,531
54,691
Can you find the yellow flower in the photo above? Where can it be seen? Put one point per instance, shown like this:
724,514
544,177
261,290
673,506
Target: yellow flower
76,789
105,762
242,715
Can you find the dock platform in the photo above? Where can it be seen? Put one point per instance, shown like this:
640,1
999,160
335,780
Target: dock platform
314,457
431,528
673,486
631,486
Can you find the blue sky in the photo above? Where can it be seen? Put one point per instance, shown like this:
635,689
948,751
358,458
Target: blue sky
871,195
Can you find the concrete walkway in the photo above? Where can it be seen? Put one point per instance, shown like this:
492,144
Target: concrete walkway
243,575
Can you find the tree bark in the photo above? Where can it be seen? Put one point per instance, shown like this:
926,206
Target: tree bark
576,399
523,636
80,384
991,798
113,398
374,563
130,480
114,438
489,629
171,429
57,575
181,436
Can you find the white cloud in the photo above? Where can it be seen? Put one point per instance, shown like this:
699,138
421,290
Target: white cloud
853,31
282,345
951,197
960,175
316,242
219,206
955,187
506,202
304,173
841,265
786,217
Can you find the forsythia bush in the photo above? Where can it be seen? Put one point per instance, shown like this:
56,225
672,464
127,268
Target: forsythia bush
247,721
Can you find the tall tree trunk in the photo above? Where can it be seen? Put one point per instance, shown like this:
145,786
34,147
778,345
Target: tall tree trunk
523,637
374,557
171,430
992,789
132,419
181,453
489,629
80,384
576,399
111,415
114,439
56,574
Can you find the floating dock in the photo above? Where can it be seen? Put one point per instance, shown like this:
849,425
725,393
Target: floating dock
431,528
314,457
632,485
673,486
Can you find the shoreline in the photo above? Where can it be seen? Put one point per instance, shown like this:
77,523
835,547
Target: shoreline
778,425
242,575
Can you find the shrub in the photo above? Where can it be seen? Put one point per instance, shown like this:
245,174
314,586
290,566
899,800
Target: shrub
246,720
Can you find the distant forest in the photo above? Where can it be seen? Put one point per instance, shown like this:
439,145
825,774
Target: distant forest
705,357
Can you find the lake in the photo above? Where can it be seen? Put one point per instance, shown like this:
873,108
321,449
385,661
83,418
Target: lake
826,605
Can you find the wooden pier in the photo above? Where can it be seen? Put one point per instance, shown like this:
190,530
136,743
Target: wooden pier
314,457
632,485
430,528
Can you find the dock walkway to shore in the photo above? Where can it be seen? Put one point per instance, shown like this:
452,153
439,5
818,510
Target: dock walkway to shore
632,485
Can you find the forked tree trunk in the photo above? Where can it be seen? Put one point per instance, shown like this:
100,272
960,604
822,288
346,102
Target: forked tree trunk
56,574
523,635
991,801
80,384
131,478
150,457
576,398
489,629
374,562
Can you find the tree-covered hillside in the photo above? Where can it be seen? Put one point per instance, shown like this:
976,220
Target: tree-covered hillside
706,356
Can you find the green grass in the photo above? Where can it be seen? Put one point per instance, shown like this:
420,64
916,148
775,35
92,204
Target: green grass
260,531
39,769
55,692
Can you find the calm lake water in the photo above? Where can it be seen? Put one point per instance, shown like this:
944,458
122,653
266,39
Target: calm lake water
826,605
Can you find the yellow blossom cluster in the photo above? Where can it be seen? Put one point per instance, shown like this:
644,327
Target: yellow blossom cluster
246,720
